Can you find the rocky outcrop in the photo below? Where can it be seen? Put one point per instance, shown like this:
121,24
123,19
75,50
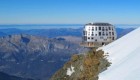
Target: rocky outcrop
83,67
34,57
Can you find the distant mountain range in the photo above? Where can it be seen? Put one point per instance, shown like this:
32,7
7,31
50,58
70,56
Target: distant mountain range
121,32
51,33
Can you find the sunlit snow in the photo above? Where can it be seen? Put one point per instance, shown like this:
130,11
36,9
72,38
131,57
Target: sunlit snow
124,54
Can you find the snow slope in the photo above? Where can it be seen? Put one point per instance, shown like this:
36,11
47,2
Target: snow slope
124,54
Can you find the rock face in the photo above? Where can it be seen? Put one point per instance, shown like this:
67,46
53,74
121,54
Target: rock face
83,67
34,57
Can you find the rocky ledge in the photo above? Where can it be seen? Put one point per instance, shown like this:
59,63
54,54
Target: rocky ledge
83,67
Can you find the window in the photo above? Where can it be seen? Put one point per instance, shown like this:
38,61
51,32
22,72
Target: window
99,28
106,29
104,39
92,29
101,37
103,29
92,38
88,37
92,34
96,34
103,34
112,38
106,34
96,28
84,32
95,39
109,28
112,33
99,33
85,38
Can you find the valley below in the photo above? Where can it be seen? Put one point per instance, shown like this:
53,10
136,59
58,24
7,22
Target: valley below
37,54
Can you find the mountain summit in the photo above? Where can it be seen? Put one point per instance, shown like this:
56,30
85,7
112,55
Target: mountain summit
124,56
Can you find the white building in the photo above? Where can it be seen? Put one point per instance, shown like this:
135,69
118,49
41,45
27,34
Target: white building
98,34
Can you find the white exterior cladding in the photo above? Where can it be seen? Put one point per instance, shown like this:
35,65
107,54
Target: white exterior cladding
101,33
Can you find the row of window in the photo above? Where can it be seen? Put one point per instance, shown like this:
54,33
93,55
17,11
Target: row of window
101,28
106,33
92,38
102,34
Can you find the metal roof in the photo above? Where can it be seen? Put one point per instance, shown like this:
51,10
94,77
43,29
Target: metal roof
99,24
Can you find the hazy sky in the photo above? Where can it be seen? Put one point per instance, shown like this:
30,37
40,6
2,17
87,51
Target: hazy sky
69,11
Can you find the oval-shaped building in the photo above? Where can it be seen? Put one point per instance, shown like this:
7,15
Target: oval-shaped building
98,34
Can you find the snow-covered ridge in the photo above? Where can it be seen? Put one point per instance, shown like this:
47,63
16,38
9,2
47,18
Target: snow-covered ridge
124,54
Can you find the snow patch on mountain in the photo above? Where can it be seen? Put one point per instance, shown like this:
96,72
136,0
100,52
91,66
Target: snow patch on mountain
70,70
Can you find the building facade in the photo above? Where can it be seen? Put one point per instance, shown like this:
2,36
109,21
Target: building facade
98,34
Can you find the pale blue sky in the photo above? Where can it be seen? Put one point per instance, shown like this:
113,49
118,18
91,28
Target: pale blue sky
69,11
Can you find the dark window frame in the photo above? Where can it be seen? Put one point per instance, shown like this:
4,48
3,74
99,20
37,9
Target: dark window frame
99,33
99,28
